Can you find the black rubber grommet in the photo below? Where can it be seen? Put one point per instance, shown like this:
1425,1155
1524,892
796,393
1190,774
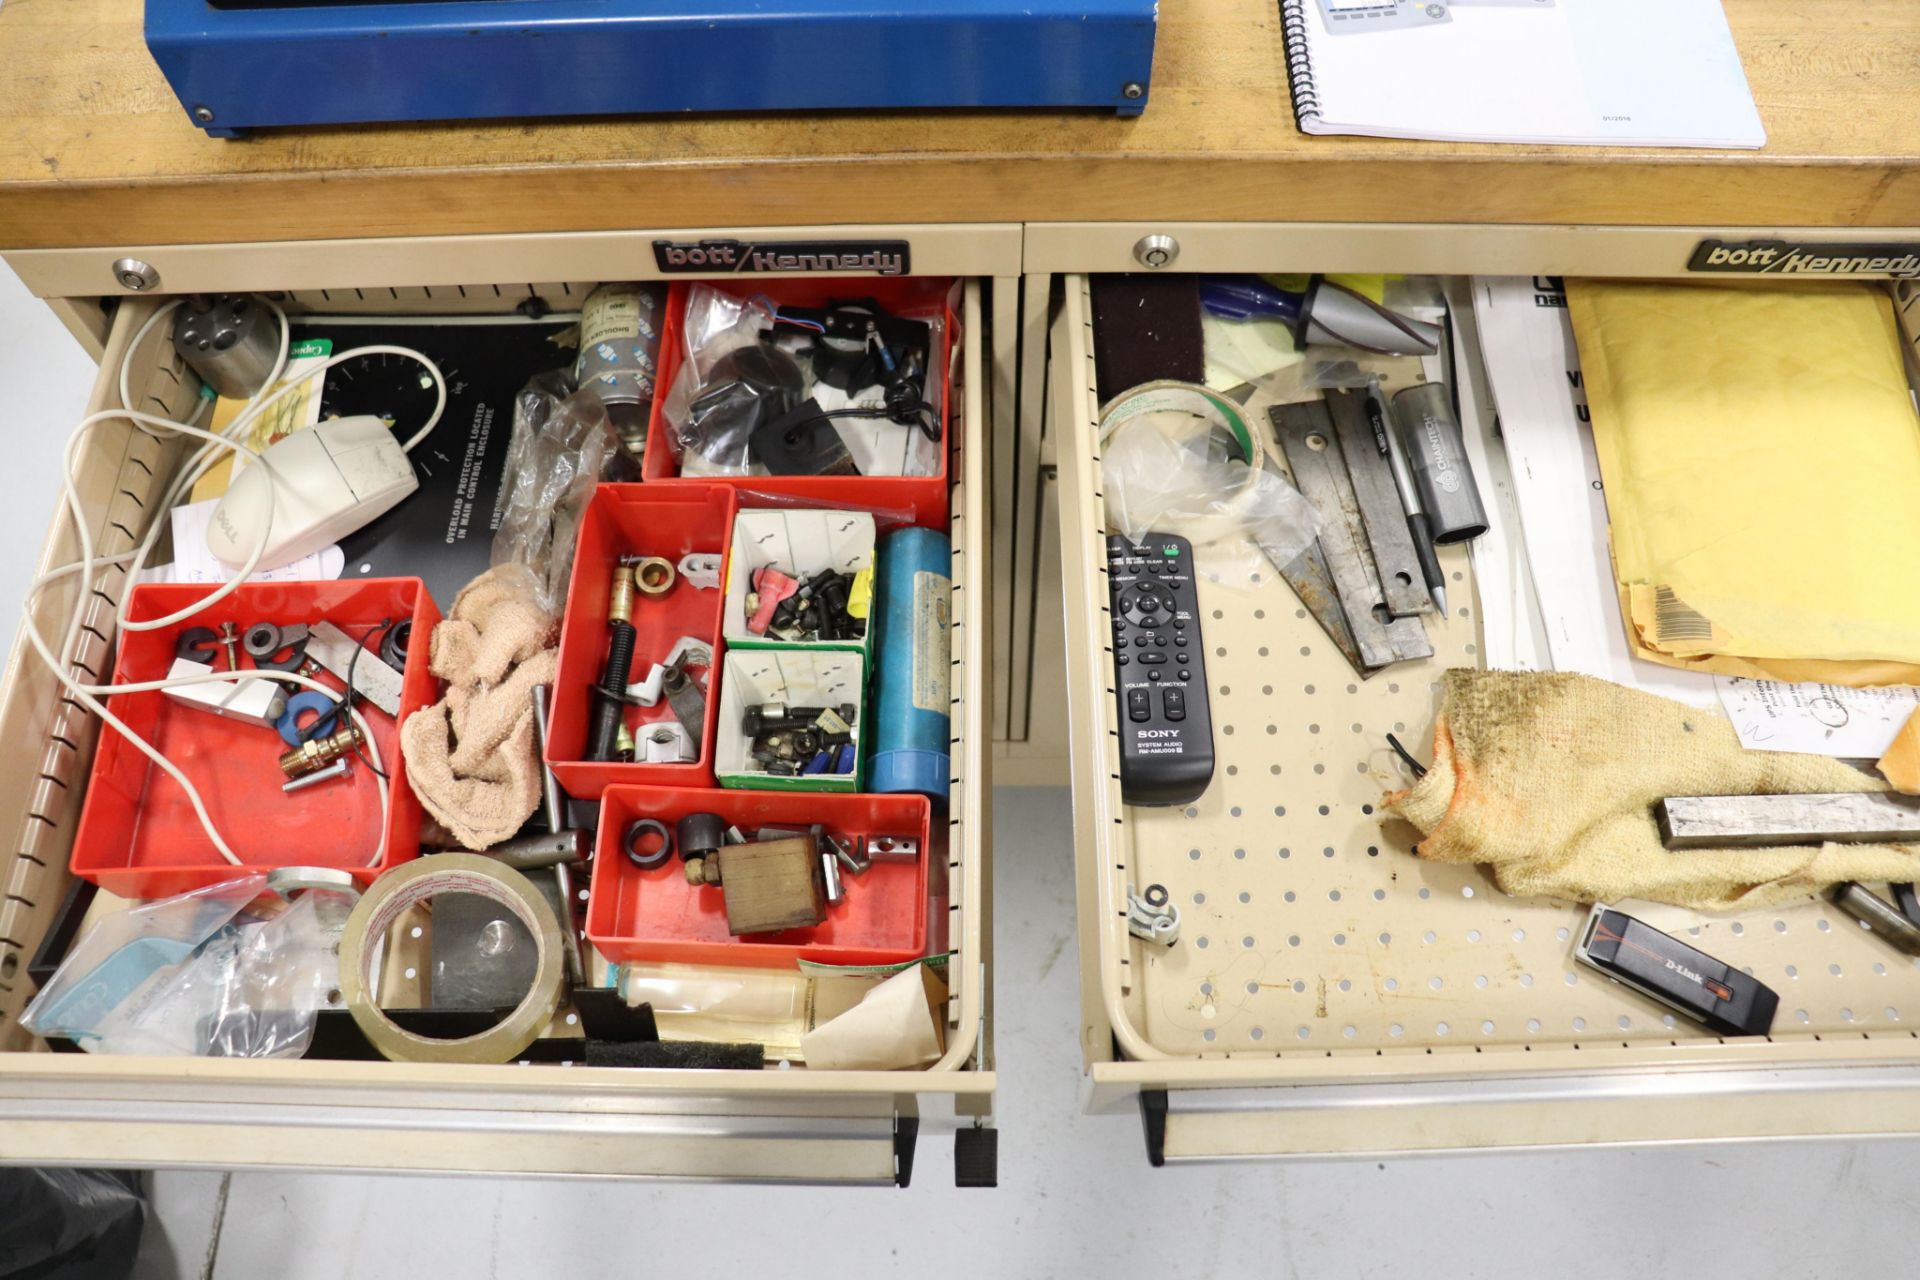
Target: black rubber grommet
637,833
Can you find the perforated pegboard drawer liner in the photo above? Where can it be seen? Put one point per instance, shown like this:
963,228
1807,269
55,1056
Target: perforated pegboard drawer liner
1310,929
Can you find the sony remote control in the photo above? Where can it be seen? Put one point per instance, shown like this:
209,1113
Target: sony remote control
1159,671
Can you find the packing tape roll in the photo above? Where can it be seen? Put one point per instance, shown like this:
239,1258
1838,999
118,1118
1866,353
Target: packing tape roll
1189,398
1193,401
413,883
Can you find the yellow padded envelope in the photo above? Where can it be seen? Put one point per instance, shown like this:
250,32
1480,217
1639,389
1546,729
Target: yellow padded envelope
1762,462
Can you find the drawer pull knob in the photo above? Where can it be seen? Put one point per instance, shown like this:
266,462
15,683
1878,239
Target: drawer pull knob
1156,251
136,275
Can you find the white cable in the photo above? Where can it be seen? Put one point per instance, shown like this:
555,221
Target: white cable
215,443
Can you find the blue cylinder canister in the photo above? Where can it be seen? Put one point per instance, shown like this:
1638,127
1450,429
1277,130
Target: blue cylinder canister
908,728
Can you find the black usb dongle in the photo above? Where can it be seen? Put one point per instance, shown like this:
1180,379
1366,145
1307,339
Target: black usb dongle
1689,982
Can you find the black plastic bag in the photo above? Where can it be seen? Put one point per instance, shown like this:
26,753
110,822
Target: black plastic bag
69,1224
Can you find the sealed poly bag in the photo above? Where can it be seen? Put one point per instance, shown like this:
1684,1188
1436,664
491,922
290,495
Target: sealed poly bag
220,972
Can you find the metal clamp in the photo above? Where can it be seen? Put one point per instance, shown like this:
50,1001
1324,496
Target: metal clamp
666,742
263,640
1152,917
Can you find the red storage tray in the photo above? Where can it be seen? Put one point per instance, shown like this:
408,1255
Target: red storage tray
894,500
651,520
656,915
138,836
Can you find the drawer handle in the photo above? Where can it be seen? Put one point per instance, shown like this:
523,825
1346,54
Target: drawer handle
1156,251
138,276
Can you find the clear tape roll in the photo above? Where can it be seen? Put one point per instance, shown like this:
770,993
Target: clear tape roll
1191,400
408,886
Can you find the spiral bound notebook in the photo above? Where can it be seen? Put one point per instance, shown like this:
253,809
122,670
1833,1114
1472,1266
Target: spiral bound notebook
1655,73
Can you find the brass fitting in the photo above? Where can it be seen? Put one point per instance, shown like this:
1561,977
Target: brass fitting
620,595
653,575
320,752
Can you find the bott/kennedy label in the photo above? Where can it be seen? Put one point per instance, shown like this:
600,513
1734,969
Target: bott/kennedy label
767,257
1807,258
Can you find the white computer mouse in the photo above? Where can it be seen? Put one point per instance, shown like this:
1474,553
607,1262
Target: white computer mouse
318,486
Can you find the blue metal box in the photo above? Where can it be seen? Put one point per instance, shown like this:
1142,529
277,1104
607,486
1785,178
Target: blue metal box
247,64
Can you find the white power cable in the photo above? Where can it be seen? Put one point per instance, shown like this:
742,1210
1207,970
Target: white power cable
215,443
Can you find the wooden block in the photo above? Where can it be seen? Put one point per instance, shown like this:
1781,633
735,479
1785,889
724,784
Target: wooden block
772,885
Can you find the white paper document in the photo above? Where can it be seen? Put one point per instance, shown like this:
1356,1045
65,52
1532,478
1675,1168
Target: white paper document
1816,719
1533,368
1512,635
194,563
1662,73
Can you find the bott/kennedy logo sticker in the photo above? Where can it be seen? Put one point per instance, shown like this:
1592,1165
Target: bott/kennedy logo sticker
1806,258
765,257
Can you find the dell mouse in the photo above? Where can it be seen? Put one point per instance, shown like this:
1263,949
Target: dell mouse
311,489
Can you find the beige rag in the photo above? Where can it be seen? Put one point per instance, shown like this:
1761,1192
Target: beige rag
1551,780
470,757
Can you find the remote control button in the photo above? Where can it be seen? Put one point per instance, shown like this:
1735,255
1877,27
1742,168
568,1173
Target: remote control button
1152,659
1179,657
1121,661
1160,642
1139,707
1149,604
1179,624
1139,642
1174,702
1186,675
1153,675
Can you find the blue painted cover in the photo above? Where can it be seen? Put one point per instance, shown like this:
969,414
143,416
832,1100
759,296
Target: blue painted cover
270,63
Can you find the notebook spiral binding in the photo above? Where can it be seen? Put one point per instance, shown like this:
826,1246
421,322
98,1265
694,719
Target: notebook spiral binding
1293,34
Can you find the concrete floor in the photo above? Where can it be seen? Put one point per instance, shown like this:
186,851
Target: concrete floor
1076,1194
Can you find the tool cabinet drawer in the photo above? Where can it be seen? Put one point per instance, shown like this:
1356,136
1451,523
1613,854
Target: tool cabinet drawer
1331,993
784,1124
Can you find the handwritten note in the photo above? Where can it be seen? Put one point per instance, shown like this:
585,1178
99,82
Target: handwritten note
1815,719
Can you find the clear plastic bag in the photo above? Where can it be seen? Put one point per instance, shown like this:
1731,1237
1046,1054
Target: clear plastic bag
1167,470
734,376
220,972
562,444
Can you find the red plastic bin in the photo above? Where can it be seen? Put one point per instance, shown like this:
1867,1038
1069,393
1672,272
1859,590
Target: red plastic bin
138,836
656,915
894,500
651,520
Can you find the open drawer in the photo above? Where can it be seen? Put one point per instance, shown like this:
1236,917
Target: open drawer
774,1125
1330,993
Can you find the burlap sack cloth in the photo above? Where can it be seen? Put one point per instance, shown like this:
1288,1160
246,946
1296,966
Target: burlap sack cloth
1550,779
470,756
